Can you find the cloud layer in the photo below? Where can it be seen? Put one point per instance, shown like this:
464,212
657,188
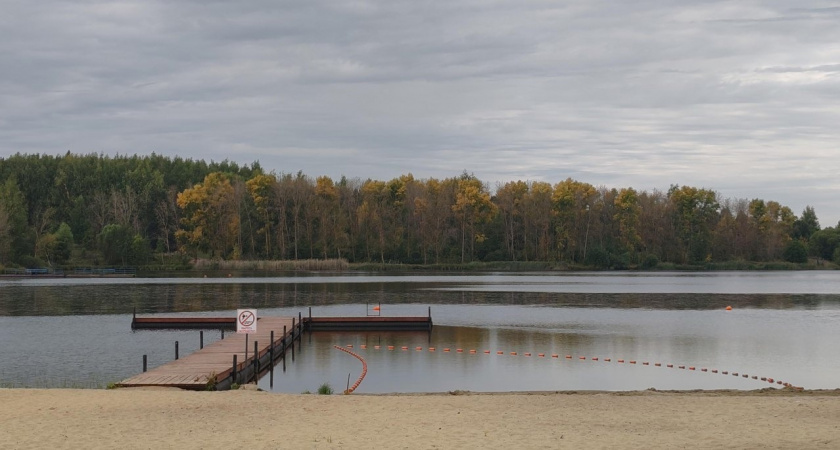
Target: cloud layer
737,96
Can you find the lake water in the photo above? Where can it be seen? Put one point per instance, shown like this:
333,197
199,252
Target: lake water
784,325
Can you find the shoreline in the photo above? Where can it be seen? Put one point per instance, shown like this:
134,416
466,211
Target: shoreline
166,417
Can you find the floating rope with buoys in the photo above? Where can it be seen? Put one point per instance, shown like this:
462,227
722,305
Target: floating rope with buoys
569,357
364,369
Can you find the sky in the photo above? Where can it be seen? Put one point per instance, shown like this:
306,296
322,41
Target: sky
742,97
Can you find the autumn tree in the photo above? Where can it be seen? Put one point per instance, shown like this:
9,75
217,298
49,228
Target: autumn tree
472,207
573,202
210,219
509,199
262,191
627,212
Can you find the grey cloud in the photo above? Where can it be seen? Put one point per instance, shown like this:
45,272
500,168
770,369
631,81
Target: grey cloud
735,96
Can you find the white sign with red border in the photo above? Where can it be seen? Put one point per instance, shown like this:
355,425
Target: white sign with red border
246,320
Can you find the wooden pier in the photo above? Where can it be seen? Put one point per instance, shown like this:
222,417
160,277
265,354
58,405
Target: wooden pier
225,362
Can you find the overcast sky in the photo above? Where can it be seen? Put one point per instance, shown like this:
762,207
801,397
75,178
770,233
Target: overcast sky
742,97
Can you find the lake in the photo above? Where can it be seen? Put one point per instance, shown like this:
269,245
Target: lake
783,325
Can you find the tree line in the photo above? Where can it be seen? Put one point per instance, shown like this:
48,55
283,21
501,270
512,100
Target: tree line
102,210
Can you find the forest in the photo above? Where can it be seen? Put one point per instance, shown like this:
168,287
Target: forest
98,210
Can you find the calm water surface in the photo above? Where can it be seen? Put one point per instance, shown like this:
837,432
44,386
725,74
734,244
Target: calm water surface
784,325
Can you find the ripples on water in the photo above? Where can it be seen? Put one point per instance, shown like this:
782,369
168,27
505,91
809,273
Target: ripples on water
784,325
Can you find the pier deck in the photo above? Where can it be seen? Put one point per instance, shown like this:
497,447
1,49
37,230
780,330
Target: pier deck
212,366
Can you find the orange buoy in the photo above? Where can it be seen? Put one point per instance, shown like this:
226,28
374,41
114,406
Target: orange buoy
404,347
500,352
691,368
472,351
555,355
607,359
729,308
390,347
621,360
528,354
460,350
681,367
418,348
349,345
595,358
541,355
670,366
632,362
513,353
645,363
446,349
364,347
486,352
658,364
376,308
431,349
568,356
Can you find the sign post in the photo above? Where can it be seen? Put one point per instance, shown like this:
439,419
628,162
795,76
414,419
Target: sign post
246,320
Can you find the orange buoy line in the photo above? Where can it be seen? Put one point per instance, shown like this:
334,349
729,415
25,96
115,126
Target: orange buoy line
364,369
584,358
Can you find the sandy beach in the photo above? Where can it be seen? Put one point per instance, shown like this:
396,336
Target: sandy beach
169,418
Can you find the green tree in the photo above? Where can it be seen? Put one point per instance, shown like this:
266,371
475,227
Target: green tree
823,243
14,234
115,242
796,252
806,225
695,213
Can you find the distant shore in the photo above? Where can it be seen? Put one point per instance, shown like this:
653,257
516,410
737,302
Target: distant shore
169,418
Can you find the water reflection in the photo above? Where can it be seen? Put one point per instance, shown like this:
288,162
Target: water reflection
55,332
160,298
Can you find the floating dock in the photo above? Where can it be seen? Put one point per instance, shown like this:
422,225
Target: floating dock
181,323
368,323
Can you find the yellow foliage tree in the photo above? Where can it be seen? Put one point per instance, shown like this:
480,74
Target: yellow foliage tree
210,219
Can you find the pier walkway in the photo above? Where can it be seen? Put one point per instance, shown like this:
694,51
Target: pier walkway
224,362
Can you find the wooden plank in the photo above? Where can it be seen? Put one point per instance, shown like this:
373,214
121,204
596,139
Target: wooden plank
194,370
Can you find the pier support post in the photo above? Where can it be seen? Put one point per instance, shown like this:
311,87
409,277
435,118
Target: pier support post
201,339
233,372
246,348
145,361
223,334
256,360
176,350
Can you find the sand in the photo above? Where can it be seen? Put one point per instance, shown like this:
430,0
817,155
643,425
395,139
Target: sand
249,419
